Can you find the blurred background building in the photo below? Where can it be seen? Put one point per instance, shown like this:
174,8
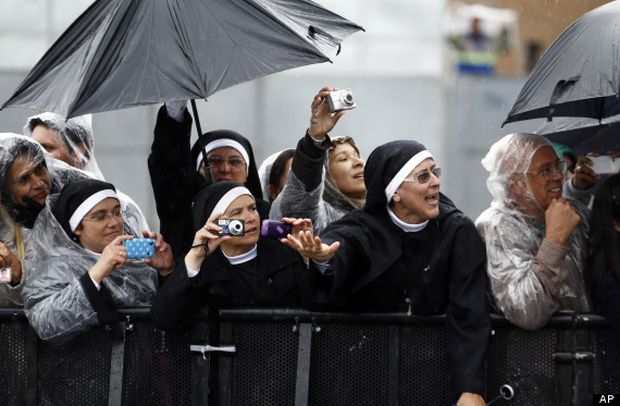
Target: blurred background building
410,73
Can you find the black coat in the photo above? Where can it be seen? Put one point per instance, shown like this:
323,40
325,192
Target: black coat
283,281
439,270
175,181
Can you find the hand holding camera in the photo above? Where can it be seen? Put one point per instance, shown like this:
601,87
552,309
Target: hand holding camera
209,237
328,105
10,266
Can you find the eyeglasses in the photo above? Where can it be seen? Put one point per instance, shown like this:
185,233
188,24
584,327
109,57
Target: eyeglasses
424,176
550,170
218,162
102,216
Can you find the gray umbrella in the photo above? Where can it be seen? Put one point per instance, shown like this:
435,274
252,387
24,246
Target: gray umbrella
124,53
579,75
584,135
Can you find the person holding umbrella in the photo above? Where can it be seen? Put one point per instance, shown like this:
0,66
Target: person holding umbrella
411,250
536,235
178,173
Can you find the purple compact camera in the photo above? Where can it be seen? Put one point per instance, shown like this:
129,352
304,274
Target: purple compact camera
275,229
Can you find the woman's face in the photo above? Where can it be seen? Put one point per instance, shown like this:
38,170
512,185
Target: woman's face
101,225
417,200
227,163
28,181
274,190
346,171
242,208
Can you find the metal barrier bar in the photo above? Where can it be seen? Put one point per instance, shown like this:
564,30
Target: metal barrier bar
117,361
303,364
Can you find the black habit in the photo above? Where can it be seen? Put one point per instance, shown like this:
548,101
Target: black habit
175,180
438,270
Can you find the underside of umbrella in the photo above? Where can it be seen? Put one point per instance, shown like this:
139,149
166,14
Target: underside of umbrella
124,53
579,75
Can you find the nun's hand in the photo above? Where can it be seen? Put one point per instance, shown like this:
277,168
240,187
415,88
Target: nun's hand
206,241
584,176
113,256
299,224
322,121
311,247
8,259
470,399
163,260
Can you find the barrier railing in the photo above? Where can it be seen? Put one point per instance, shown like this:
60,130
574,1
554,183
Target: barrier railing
285,357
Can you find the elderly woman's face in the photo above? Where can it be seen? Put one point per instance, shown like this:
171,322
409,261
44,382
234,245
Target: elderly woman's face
28,181
243,208
101,225
418,195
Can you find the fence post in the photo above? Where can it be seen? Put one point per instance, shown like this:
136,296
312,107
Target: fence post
563,357
304,348
117,362
584,339
393,365
30,347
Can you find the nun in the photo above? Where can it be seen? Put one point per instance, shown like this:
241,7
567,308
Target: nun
80,274
178,172
231,271
410,250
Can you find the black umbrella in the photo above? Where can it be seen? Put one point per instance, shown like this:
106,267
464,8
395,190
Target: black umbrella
579,75
584,135
124,53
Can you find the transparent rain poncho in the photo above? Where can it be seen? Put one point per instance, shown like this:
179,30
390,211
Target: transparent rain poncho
530,279
17,220
75,136
54,299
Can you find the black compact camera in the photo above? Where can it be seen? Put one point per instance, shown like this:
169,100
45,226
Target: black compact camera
232,227
340,100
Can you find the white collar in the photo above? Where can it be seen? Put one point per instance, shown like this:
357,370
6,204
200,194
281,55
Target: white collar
245,257
406,227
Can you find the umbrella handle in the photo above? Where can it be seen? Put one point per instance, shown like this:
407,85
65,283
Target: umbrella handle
199,129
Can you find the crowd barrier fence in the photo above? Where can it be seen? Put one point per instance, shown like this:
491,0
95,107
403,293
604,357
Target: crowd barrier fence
295,357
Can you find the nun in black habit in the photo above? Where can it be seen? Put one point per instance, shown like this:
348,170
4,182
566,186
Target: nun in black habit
178,173
410,249
231,271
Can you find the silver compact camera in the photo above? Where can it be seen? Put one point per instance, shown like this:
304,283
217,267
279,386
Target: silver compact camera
235,228
340,100
5,274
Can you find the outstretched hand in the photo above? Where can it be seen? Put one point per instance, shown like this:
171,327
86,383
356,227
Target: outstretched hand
311,247
322,121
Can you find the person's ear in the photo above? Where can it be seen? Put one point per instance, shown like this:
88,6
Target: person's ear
396,197
78,230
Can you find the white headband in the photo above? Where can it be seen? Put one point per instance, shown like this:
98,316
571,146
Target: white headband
88,204
224,142
228,198
404,172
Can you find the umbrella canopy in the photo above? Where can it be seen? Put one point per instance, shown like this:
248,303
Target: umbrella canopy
124,53
584,135
579,74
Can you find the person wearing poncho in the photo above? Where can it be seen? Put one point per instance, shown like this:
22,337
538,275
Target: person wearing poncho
80,273
536,234
409,249
231,271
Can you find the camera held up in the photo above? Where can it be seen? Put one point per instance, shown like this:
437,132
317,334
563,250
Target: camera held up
232,227
340,100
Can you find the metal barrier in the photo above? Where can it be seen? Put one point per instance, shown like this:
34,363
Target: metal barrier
285,357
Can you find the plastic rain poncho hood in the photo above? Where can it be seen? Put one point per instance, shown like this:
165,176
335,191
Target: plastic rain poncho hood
513,228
